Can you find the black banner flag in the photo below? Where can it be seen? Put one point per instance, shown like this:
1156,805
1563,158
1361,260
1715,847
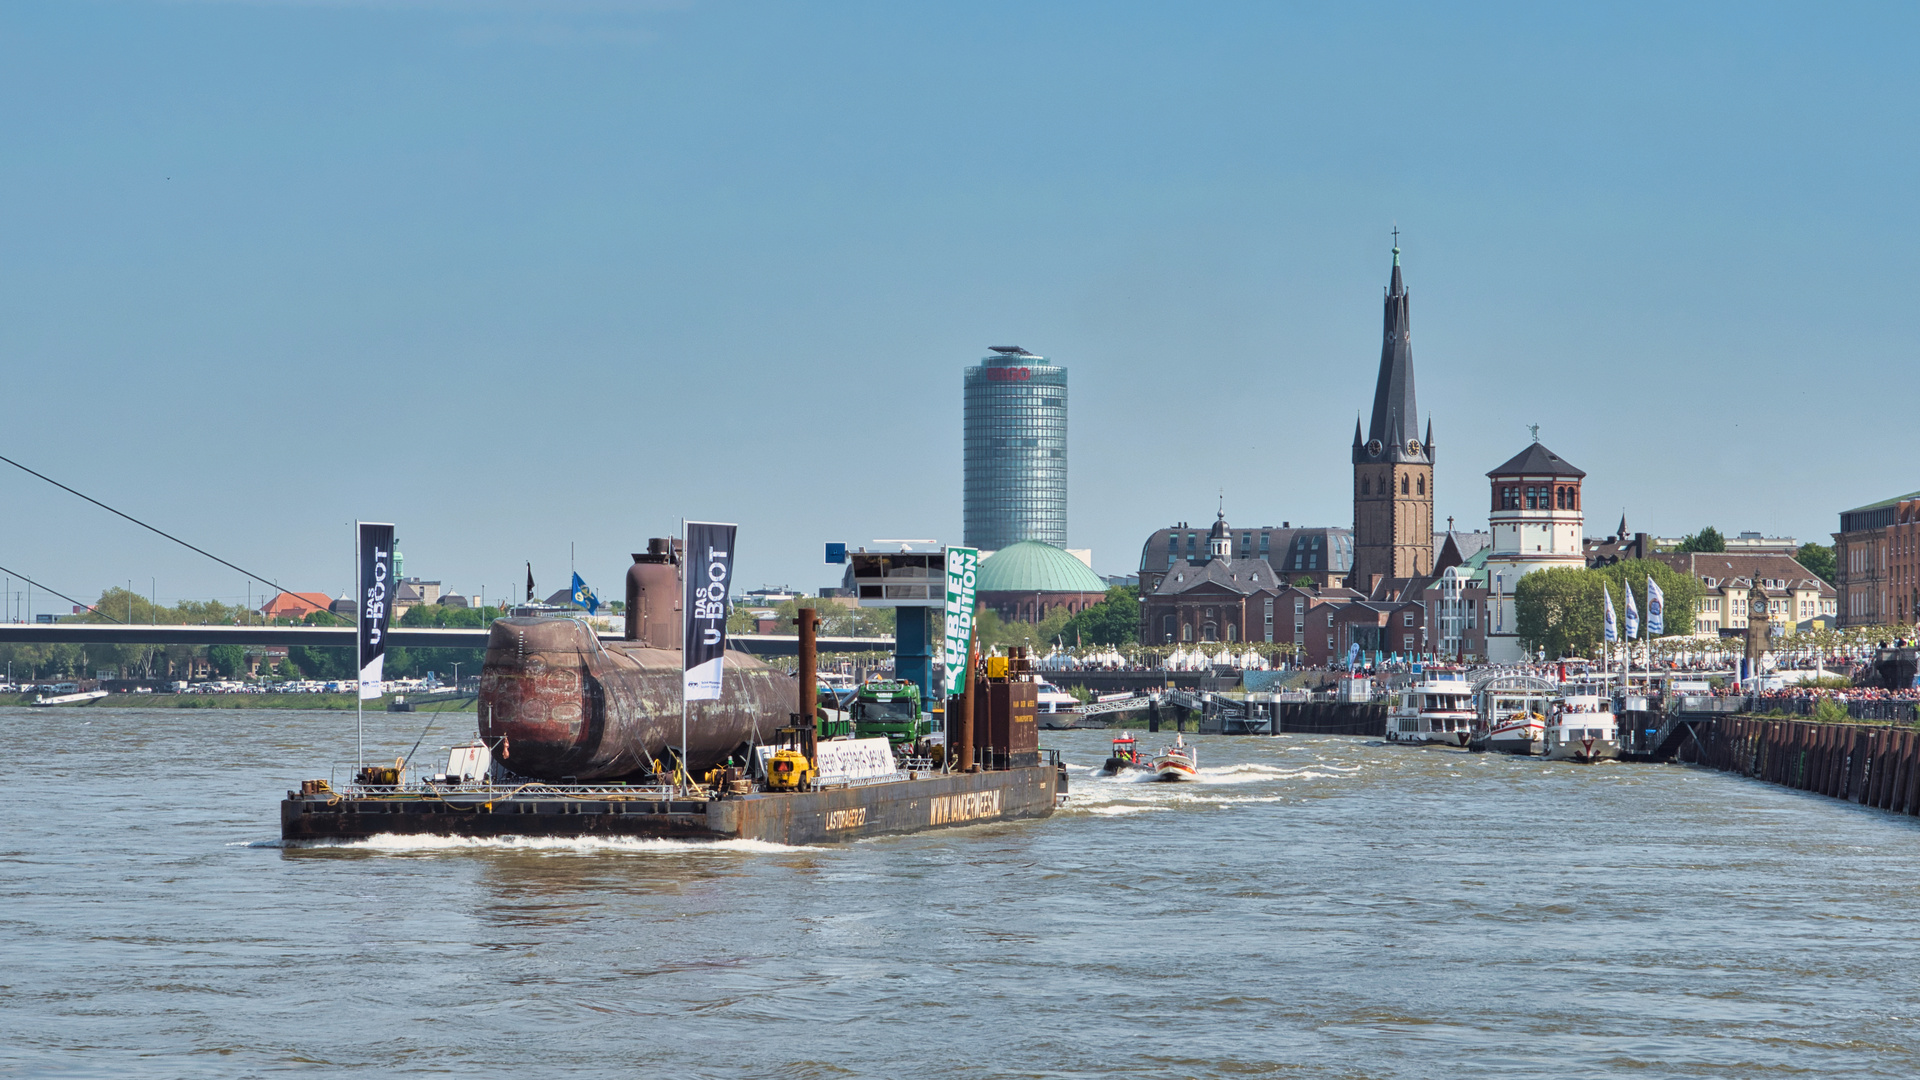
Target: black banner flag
376,603
709,576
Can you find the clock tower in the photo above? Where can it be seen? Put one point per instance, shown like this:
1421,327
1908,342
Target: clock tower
1392,463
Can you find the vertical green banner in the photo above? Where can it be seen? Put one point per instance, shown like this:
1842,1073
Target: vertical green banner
963,564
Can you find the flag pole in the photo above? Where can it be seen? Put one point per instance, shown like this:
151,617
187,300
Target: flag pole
359,662
683,653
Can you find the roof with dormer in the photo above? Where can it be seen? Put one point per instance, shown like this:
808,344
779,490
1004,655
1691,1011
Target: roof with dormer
1235,575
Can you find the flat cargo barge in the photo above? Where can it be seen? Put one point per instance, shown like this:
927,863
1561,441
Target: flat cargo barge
823,815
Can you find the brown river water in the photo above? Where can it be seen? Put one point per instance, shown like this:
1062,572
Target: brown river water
1315,906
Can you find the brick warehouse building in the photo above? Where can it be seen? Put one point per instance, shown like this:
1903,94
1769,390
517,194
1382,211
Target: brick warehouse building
1877,558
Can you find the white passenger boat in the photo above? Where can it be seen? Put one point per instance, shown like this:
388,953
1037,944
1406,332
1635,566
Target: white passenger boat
1058,710
1582,727
1513,715
1176,762
1437,711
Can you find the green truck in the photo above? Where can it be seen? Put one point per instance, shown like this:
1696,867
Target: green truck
891,709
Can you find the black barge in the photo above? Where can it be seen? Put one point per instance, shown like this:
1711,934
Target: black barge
823,815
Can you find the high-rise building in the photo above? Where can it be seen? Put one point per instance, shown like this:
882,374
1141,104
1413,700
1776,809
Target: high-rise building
1392,465
1015,449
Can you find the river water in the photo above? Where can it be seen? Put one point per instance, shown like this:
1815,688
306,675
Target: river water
1316,906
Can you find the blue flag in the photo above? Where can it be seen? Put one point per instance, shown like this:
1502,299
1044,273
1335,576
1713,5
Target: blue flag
1656,609
583,596
1633,613
1613,629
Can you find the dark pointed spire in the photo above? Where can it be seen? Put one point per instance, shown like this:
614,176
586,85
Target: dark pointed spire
1428,441
1359,440
1394,407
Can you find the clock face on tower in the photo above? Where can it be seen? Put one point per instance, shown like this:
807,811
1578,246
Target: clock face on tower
1374,448
1413,446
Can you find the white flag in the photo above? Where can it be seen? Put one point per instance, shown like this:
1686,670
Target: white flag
1656,609
1633,613
1613,630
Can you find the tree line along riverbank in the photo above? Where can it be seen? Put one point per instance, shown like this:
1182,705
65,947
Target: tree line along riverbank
320,702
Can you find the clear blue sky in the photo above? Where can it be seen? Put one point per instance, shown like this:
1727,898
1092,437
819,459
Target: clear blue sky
520,275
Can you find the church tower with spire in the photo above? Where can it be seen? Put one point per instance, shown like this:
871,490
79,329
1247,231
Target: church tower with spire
1392,463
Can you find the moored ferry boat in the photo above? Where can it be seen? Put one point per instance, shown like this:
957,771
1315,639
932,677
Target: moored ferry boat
1436,711
1512,715
1057,709
1582,728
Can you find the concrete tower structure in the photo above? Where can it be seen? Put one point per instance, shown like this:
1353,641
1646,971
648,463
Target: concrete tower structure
1537,524
1392,464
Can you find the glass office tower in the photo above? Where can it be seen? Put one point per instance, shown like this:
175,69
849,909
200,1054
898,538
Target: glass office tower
1015,446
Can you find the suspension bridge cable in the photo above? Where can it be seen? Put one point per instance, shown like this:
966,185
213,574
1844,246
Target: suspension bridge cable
61,595
259,577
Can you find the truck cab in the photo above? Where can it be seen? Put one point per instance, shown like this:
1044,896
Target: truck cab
889,708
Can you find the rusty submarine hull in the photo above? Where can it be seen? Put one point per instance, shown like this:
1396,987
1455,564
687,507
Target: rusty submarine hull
558,704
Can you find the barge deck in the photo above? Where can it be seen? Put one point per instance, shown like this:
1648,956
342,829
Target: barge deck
828,814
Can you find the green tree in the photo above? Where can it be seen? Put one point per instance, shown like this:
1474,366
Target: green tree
1819,559
227,660
317,663
1560,610
1113,621
1707,539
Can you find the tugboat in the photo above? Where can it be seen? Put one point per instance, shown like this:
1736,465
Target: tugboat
1176,762
1437,711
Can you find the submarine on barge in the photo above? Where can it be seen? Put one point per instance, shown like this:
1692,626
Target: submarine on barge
579,737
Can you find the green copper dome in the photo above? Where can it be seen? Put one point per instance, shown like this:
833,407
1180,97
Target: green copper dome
1037,566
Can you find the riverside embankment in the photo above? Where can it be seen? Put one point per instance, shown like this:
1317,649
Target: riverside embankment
1874,765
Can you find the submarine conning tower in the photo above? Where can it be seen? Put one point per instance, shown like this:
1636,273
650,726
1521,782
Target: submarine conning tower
653,594
558,704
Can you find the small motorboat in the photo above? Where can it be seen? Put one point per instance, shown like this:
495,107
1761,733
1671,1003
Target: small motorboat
1126,755
1176,762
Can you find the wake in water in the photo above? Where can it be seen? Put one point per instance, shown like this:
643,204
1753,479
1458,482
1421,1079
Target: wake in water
1226,774
561,845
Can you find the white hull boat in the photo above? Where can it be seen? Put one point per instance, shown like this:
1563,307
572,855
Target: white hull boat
1438,712
1524,734
1176,762
1583,729
69,699
1056,710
